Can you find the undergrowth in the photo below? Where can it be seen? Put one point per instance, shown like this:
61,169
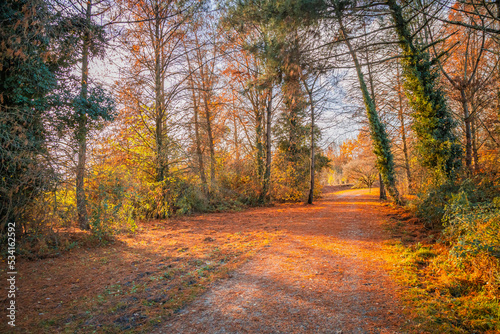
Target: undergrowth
443,296
453,285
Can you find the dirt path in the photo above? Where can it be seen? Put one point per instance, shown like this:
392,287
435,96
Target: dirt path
325,275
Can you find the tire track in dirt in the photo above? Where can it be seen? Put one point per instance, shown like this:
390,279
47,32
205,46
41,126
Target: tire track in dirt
324,275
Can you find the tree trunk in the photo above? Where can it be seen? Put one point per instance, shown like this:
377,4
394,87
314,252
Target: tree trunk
474,141
309,90
382,192
196,112
433,123
210,140
199,153
160,149
236,142
206,85
267,172
81,201
258,142
403,131
382,149
468,135
383,195
311,171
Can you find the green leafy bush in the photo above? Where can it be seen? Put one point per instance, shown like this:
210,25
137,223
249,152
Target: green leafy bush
431,203
169,197
111,201
472,227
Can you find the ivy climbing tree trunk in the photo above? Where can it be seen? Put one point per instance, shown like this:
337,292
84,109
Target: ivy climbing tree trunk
432,123
381,144
382,192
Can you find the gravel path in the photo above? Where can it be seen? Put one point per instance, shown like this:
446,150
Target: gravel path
325,275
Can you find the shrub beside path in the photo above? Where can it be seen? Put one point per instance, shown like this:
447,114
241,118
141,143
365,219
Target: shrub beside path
325,274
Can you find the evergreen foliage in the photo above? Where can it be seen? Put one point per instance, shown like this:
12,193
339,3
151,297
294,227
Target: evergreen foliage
37,95
433,123
381,143
27,76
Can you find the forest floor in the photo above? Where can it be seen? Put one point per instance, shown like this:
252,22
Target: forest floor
325,274
288,268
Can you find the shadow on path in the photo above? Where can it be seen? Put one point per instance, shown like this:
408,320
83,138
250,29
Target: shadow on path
324,275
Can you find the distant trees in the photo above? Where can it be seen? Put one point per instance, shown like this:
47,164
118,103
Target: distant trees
279,46
205,45
252,79
153,40
471,70
152,81
363,172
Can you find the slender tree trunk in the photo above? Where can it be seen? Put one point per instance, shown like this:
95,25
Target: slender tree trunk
291,92
258,142
474,141
309,91
405,148
267,172
403,131
160,150
236,141
199,153
382,149
468,135
383,194
81,201
206,79
210,138
312,167
196,112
